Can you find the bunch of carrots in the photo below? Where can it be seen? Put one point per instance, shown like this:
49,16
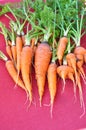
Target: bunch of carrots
42,36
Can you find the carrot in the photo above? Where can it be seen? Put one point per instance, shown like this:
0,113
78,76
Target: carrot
9,52
12,71
19,45
13,45
42,59
14,53
26,59
80,61
63,71
9,42
52,81
61,48
71,61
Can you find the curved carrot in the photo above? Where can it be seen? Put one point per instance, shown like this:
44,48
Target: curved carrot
80,62
61,48
63,71
42,59
71,60
12,70
13,73
26,59
52,81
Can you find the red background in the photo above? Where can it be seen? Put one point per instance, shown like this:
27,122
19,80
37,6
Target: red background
13,111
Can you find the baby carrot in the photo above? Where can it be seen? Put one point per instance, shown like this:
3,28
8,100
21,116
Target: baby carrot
26,60
42,59
52,81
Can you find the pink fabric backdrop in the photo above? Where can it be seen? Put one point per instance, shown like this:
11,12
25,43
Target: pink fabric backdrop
13,111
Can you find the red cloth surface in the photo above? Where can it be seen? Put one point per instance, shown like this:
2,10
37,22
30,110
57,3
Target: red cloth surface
13,111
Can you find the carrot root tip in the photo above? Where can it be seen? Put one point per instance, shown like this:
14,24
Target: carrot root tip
40,100
51,111
29,105
34,102
15,86
26,98
63,87
46,105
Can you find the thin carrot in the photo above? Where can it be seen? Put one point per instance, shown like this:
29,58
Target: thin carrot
14,53
9,52
9,42
13,44
42,60
80,61
71,61
12,71
19,46
61,48
26,60
52,81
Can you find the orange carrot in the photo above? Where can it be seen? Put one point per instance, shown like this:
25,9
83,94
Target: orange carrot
61,48
12,71
9,42
19,45
71,60
80,62
63,71
14,53
9,52
26,59
52,81
42,59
